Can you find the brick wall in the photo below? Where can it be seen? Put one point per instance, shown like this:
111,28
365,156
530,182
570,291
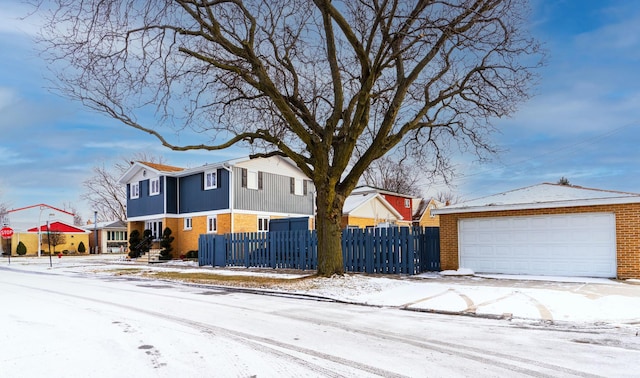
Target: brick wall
627,233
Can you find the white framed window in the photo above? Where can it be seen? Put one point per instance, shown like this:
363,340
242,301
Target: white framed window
156,228
407,203
188,223
154,186
212,224
210,180
298,186
116,235
431,214
252,180
134,190
263,224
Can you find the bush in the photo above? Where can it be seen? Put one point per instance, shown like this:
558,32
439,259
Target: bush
21,249
134,244
165,243
192,255
82,248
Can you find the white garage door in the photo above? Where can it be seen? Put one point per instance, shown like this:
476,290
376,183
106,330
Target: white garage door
553,245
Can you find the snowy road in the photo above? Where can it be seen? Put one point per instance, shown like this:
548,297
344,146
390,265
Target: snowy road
61,324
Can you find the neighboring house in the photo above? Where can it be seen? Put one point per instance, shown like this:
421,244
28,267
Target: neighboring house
403,203
24,219
368,210
423,215
240,195
545,229
111,237
70,238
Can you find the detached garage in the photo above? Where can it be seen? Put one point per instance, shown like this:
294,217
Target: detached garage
545,229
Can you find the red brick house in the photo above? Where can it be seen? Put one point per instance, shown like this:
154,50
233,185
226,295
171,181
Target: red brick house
545,229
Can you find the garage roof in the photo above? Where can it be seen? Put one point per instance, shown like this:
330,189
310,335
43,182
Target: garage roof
542,196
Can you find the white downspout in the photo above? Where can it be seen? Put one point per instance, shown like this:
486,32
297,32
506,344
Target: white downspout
230,170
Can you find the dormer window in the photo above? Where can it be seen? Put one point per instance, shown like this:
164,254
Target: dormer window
154,186
210,180
134,190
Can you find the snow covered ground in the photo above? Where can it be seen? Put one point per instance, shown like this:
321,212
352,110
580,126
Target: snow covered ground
97,316
556,299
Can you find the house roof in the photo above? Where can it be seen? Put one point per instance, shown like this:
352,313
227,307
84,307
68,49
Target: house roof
373,189
118,224
542,196
354,201
58,227
422,207
162,167
42,205
169,170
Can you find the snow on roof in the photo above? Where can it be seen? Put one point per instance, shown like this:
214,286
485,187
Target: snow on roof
117,224
544,195
372,189
354,201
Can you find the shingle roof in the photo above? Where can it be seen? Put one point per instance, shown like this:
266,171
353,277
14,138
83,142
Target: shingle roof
162,167
544,195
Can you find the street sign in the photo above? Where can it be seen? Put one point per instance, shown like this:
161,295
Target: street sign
6,232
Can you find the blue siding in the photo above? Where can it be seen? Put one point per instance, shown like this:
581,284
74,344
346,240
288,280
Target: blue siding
145,204
194,198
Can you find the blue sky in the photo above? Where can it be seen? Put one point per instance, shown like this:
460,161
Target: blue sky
583,122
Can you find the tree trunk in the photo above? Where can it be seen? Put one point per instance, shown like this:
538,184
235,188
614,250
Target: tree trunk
328,218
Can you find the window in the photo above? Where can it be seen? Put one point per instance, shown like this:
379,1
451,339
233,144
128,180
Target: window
430,209
187,223
116,235
212,224
154,186
251,179
263,224
298,186
407,203
156,229
210,180
134,190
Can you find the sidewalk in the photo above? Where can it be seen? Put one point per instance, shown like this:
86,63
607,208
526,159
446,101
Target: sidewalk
529,298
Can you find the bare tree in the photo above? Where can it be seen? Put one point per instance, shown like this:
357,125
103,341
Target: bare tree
448,198
54,238
104,194
395,176
333,85
77,218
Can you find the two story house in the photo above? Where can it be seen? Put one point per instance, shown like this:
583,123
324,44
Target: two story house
240,195
404,204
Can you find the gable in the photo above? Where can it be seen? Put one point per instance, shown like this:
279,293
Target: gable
274,164
58,227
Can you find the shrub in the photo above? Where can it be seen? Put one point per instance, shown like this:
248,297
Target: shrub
21,249
82,248
192,255
134,244
165,243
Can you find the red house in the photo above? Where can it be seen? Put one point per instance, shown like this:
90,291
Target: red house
403,203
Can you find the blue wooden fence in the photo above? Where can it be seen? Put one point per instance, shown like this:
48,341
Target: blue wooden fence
394,250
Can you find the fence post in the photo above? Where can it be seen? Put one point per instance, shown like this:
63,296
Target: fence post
218,247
